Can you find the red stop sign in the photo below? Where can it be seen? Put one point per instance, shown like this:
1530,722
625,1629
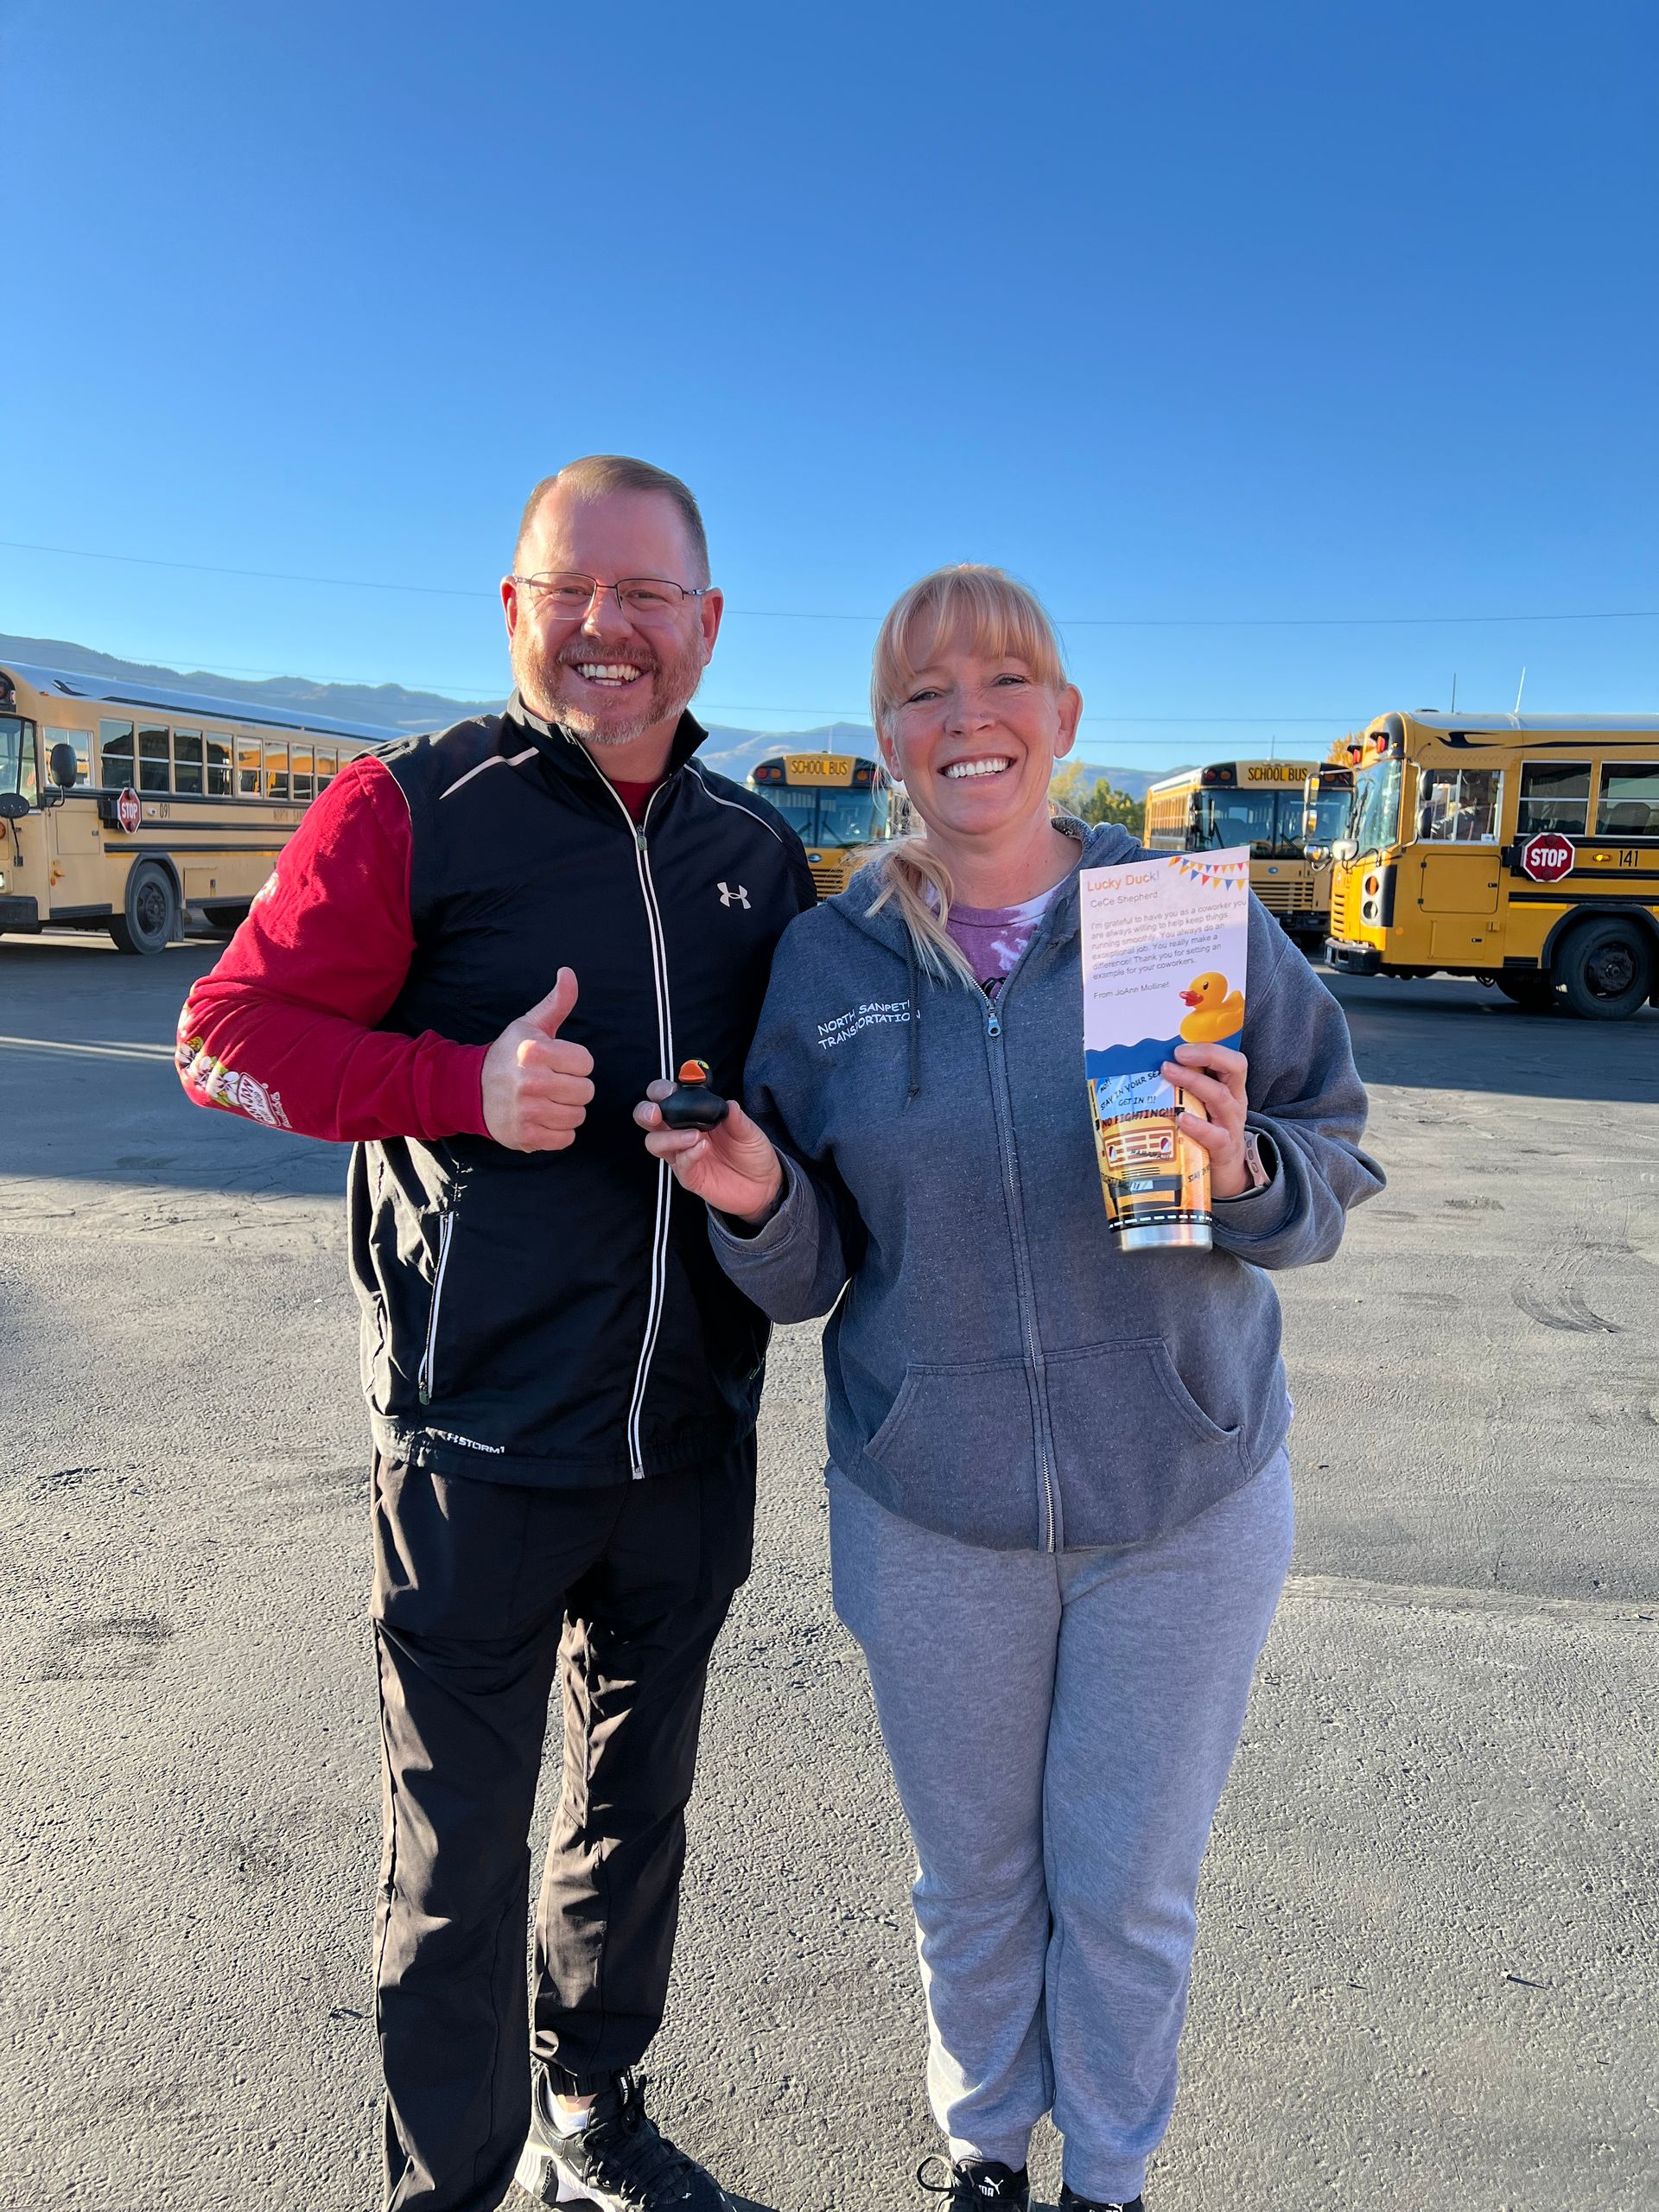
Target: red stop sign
128,811
1547,857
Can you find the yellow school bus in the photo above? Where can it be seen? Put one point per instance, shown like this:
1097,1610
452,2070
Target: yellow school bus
837,805
1327,802
1254,803
1520,849
121,806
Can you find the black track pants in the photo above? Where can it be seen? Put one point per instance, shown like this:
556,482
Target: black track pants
482,1592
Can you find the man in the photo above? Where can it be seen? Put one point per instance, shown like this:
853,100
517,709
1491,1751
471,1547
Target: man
472,957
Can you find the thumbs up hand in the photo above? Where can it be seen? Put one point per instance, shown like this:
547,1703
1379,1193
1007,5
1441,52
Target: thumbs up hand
536,1084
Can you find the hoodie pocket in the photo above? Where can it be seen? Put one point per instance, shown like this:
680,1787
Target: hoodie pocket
1136,1452
958,1451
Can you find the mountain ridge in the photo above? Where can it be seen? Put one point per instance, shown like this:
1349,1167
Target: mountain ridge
404,713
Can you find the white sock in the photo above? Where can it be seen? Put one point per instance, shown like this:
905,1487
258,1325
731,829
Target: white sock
568,2126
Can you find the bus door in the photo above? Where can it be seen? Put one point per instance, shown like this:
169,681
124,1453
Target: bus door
1455,862
74,832
22,870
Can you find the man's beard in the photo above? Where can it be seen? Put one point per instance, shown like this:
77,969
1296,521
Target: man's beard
663,691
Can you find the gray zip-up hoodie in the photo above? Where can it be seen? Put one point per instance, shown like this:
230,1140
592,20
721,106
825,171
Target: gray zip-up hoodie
997,1369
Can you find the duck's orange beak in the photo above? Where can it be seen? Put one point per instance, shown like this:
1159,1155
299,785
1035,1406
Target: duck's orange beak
1191,998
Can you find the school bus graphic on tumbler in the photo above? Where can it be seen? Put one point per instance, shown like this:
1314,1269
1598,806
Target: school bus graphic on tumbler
1163,939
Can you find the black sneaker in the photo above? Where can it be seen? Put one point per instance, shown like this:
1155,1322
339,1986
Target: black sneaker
1073,2202
617,2161
970,2184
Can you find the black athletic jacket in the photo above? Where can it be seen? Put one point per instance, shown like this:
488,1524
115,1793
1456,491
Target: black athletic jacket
549,1318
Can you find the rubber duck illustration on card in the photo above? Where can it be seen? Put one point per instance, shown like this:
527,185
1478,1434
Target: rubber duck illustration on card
1218,1014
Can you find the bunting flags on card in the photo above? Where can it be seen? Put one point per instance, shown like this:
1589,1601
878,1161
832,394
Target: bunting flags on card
1228,870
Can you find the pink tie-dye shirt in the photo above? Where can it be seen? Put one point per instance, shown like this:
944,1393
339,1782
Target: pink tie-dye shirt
993,937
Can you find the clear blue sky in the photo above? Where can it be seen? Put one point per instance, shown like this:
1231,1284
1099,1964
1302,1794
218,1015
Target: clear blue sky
1177,307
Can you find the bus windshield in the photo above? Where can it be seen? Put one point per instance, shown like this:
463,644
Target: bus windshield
1330,811
1376,807
16,756
839,819
1269,823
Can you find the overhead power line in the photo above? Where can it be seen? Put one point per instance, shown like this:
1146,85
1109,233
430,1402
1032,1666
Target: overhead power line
819,615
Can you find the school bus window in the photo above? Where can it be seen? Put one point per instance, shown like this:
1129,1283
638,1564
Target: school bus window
301,787
154,772
1630,800
187,762
115,754
247,768
81,740
276,771
325,770
17,757
1459,806
1554,794
1376,807
219,766
1269,823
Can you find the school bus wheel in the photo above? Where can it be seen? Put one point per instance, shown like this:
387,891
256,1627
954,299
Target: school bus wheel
149,919
1530,989
1604,968
225,921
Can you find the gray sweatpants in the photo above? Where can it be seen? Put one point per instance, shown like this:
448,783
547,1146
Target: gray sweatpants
1060,1726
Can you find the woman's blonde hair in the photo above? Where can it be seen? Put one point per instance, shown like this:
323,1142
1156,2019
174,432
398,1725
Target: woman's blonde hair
996,614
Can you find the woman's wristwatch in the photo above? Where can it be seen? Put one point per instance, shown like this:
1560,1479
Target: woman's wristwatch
1255,1167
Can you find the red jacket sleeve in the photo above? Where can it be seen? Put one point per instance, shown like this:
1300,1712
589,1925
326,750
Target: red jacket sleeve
283,1030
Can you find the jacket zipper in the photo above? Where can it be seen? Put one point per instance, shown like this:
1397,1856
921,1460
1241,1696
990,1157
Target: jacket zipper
446,1230
665,1178
1002,1108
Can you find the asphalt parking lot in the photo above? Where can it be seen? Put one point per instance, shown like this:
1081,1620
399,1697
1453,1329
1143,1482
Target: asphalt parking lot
1428,1970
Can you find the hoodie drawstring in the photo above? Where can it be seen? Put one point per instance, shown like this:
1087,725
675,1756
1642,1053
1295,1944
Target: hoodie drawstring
915,1026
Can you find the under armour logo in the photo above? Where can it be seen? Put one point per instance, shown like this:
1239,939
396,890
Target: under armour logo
730,898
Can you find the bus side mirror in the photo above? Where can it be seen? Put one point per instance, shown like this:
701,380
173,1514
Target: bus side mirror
63,767
13,806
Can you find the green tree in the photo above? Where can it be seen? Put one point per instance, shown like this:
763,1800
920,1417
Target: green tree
1094,799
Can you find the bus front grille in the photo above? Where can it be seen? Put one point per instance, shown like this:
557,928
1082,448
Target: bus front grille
1286,898
1338,907
829,877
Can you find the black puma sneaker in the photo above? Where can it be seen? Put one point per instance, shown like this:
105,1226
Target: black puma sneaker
617,2160
970,2184
1071,2202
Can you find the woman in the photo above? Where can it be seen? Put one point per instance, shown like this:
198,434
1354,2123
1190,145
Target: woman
1060,1510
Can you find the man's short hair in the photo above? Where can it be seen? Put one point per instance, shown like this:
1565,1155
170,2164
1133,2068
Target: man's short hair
599,472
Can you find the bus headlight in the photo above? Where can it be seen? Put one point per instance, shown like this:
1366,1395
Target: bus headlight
1377,898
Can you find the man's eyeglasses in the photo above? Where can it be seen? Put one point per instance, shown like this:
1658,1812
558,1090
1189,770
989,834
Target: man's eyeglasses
642,599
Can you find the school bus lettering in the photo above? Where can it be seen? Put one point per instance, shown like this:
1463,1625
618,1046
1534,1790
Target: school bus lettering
1546,858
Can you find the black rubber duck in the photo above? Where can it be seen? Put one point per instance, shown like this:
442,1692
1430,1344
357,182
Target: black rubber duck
691,1105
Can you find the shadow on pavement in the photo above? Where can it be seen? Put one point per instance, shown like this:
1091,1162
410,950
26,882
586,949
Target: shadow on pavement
1443,1033
86,1038
86,1070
